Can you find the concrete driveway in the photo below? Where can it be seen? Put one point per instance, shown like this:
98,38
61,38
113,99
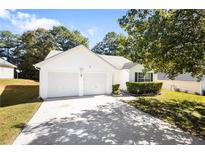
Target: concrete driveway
98,120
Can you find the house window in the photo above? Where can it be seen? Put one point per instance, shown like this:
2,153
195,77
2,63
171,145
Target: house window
140,77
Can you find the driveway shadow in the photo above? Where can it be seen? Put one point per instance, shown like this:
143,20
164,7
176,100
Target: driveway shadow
113,123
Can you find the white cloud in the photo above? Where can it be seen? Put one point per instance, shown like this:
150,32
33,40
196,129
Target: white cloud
12,10
25,21
92,31
5,14
21,15
42,23
31,22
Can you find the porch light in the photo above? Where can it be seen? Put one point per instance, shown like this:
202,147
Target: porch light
81,71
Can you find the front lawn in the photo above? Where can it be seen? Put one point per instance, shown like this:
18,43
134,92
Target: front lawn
186,111
18,102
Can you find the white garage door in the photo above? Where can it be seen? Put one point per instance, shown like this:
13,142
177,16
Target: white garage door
94,83
62,84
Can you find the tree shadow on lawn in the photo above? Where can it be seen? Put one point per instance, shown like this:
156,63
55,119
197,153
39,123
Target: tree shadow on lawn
108,124
19,94
187,115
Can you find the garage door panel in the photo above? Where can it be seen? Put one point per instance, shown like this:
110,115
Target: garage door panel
62,84
94,83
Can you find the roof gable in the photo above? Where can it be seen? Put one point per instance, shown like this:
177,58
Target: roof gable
54,55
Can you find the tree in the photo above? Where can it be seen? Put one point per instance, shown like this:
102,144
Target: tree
65,39
108,45
123,44
168,41
33,46
36,45
9,45
112,44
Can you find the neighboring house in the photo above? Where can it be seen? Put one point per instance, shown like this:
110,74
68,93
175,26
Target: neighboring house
6,69
79,72
184,82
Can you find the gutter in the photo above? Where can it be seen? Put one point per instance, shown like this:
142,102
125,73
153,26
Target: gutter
36,67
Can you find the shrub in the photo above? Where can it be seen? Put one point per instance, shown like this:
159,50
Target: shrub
115,89
186,91
144,87
177,90
203,92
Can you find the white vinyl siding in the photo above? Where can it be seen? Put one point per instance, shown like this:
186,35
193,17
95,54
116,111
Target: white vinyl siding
6,72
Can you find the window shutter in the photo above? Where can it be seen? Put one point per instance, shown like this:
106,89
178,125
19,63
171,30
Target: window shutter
136,77
151,76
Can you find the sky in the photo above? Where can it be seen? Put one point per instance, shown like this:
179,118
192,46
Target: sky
93,24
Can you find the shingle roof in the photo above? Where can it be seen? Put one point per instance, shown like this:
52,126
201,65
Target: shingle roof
53,53
129,65
117,61
181,77
6,63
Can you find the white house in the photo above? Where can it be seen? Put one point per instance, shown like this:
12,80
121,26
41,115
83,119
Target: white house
183,82
6,69
79,72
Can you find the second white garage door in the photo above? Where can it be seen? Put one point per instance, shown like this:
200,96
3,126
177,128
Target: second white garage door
94,83
62,84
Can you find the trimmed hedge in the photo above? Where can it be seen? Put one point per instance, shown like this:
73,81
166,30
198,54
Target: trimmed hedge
115,89
144,87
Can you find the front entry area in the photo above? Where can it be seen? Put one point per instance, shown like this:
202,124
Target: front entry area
76,84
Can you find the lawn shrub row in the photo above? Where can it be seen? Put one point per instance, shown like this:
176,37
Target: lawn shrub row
144,87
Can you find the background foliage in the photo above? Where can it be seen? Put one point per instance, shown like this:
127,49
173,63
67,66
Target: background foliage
113,44
168,41
32,46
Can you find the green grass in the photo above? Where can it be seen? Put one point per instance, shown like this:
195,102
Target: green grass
18,100
186,111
